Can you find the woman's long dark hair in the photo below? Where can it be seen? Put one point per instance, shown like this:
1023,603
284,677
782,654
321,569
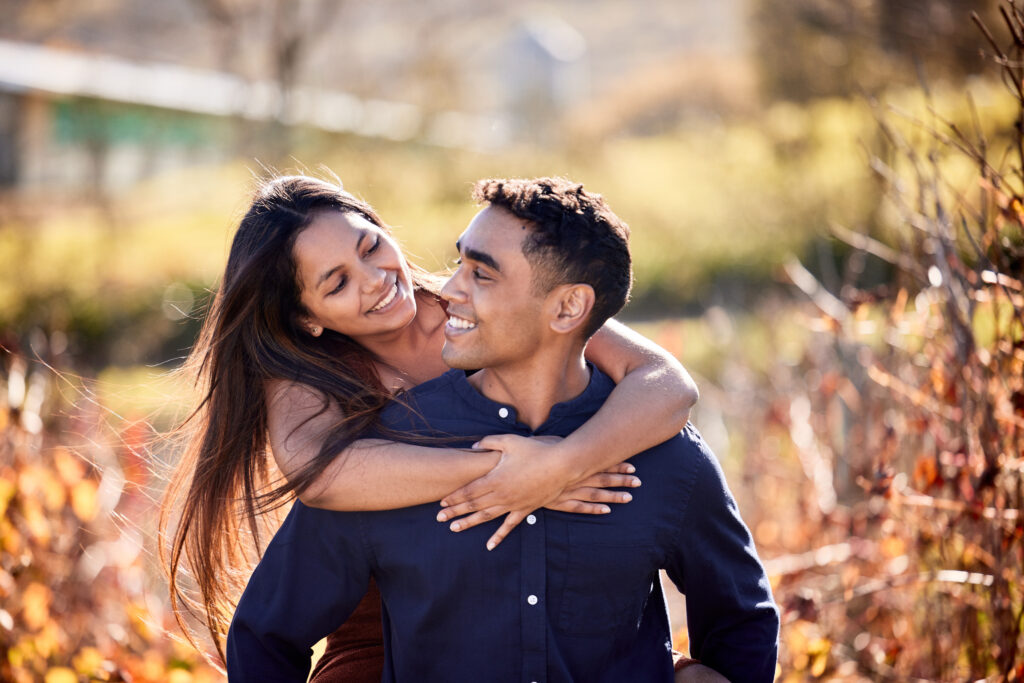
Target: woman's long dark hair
225,478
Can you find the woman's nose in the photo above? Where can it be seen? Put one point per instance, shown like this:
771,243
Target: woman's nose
374,280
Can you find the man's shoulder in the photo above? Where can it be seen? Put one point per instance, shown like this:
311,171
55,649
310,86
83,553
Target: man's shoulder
687,448
448,383
677,468
302,517
436,394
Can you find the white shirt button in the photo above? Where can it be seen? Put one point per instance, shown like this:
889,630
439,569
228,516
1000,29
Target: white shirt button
532,599
503,412
530,519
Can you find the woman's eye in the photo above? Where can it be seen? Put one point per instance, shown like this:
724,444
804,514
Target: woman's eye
373,247
341,284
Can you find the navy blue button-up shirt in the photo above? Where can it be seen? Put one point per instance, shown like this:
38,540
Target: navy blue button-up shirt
564,598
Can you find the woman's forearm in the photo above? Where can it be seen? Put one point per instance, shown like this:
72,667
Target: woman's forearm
650,403
374,474
370,474
637,415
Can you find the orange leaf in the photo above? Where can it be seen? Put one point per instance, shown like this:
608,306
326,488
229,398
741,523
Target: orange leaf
70,467
925,471
7,491
60,674
84,499
88,661
35,605
893,546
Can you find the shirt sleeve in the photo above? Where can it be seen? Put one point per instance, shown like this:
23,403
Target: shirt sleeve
312,576
732,619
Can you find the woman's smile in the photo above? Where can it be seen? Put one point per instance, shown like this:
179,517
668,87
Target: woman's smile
384,304
359,284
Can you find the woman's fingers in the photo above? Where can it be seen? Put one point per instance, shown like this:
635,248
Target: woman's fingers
588,494
580,507
512,520
621,468
495,442
479,517
468,493
479,487
606,480
469,506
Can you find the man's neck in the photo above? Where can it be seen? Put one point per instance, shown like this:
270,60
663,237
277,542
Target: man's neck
533,387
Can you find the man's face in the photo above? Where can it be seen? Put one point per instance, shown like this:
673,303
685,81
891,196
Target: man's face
494,317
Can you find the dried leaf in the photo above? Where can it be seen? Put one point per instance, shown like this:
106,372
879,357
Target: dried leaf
60,674
84,500
35,606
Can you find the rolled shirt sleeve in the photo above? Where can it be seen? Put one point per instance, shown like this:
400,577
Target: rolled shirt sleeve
732,620
310,579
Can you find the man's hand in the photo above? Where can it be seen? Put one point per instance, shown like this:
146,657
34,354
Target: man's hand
531,474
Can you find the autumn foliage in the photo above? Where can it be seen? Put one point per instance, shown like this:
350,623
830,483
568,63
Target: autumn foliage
903,419
78,600
883,452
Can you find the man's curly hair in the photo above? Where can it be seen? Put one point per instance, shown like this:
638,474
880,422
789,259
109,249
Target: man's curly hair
574,238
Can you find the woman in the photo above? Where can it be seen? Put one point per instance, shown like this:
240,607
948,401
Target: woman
318,322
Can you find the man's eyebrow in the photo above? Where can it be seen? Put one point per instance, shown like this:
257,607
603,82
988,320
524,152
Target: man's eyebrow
359,244
482,257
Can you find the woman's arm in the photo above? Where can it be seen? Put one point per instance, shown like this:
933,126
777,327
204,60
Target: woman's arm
651,401
650,404
371,474
375,474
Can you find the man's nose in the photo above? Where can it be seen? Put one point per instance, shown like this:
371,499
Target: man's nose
453,290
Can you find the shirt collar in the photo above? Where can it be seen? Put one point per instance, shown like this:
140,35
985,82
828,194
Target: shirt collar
586,403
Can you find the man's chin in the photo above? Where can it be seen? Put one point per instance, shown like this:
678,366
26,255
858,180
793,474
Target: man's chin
455,360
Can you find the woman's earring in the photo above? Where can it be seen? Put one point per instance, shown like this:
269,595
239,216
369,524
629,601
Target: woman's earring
315,331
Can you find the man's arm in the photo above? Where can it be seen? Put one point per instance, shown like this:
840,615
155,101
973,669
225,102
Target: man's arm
312,576
732,620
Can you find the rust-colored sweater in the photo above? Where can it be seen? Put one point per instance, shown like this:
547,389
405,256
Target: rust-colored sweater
355,652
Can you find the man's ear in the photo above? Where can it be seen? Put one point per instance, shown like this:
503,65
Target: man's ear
572,305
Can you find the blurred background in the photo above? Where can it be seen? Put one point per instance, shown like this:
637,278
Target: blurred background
824,199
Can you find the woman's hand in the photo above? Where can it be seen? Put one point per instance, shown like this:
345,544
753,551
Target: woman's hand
531,473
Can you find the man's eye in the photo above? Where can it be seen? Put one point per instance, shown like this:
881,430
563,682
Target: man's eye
478,275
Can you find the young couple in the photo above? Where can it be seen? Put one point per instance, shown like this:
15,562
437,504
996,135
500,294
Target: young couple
326,346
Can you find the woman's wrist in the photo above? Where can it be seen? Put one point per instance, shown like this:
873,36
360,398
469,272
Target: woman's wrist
572,460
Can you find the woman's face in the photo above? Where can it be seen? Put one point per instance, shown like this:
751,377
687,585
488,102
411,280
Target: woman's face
352,277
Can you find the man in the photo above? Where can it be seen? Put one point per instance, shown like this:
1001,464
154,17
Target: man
565,597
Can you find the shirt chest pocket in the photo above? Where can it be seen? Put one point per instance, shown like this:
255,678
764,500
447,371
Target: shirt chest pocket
607,580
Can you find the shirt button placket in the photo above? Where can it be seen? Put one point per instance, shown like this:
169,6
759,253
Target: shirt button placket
534,621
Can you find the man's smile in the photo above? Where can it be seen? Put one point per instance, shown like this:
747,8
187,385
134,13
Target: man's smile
458,325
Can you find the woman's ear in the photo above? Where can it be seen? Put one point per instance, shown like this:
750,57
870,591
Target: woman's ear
308,325
573,304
